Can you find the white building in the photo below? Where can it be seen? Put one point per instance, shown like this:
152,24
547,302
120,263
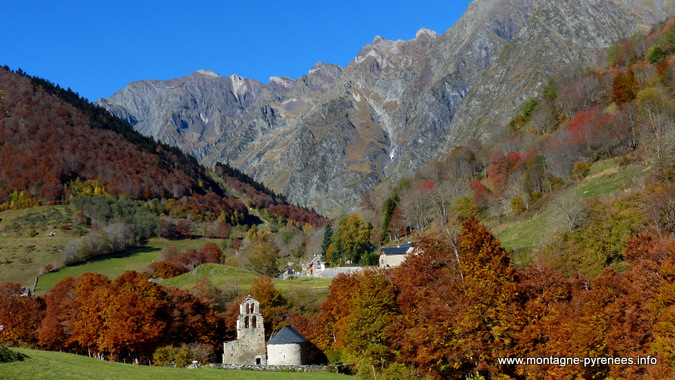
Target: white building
392,257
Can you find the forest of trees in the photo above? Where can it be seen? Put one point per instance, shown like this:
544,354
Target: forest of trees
451,310
57,148
457,305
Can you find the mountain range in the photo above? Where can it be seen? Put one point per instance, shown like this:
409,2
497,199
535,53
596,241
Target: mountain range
324,138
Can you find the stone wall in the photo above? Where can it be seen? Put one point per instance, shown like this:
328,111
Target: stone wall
287,354
296,368
333,272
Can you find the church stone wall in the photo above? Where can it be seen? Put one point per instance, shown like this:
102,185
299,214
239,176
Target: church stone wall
249,348
287,354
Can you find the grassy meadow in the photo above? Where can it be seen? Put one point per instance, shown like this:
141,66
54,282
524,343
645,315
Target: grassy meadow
136,259
57,366
604,178
227,276
25,242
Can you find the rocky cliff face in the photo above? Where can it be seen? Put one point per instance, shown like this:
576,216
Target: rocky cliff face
326,137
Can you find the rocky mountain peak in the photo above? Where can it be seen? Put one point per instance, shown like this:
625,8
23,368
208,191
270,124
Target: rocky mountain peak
207,73
426,33
327,136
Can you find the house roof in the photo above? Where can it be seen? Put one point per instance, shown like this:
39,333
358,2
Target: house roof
400,250
287,335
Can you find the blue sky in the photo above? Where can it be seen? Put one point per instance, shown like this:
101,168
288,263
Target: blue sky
98,47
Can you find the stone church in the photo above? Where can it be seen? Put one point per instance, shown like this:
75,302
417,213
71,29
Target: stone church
249,347
287,347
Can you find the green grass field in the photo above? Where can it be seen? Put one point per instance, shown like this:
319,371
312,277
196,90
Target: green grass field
25,242
604,178
227,276
609,181
57,366
136,259
526,233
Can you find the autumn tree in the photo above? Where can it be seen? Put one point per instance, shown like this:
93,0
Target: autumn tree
430,303
88,320
488,283
263,256
624,87
135,317
333,319
20,315
272,304
57,325
544,292
191,319
350,240
164,269
372,310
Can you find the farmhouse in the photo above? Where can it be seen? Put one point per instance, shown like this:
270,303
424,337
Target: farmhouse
392,257
315,266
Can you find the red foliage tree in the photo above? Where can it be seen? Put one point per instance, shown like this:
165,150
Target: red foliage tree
480,193
88,320
597,132
20,315
502,167
136,317
57,325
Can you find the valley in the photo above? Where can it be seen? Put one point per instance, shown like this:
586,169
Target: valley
536,195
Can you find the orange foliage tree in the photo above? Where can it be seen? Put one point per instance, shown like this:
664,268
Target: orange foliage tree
20,315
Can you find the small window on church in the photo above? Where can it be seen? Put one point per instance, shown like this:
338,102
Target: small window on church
247,311
252,308
253,322
246,322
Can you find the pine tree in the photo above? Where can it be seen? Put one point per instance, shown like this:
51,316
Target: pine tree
327,238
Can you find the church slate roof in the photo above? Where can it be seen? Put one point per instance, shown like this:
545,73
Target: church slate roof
287,335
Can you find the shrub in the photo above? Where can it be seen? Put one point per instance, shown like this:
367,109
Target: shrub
655,54
518,205
7,355
167,356
581,169
464,208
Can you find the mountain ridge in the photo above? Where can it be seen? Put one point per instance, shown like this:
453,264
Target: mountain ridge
324,138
